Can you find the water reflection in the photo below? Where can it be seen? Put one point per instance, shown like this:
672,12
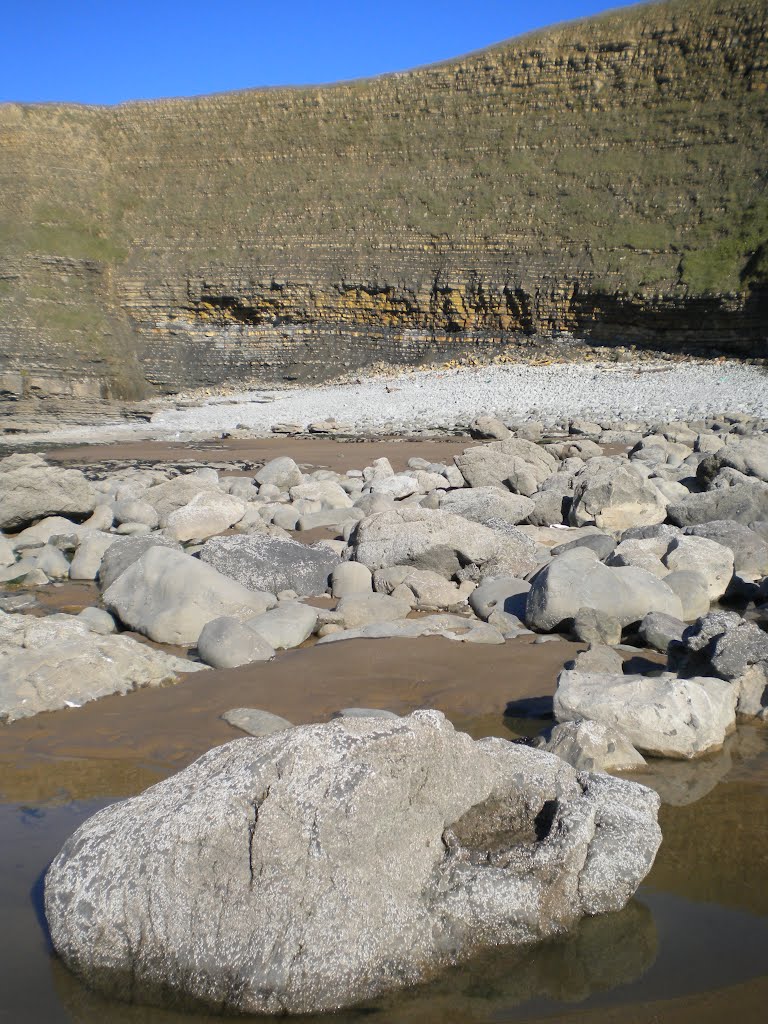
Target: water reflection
601,954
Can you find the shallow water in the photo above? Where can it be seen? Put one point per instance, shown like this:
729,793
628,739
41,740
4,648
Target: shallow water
699,923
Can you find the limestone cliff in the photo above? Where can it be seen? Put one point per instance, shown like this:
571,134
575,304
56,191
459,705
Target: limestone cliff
605,178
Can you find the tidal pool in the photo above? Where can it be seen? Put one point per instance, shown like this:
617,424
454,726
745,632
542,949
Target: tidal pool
692,945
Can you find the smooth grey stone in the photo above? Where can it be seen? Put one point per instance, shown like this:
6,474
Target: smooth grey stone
227,643
364,713
125,551
98,621
286,626
31,489
593,747
504,593
659,630
256,722
601,545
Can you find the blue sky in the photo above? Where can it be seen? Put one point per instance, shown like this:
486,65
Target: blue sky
86,51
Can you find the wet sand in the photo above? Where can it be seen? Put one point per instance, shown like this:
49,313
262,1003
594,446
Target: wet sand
320,453
165,729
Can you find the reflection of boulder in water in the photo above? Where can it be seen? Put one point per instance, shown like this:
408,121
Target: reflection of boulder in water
600,954
680,783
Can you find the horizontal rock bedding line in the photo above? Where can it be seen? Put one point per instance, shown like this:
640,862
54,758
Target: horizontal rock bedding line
607,534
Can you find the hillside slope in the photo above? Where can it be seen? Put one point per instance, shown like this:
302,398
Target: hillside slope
605,178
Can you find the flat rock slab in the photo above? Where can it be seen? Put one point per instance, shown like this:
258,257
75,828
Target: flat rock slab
260,562
452,627
58,662
320,866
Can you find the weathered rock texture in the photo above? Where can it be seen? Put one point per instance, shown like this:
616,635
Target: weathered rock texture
321,865
604,178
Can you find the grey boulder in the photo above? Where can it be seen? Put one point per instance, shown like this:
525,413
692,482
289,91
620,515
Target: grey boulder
227,643
120,555
424,538
320,866
750,551
169,596
282,473
519,465
743,503
659,630
31,489
500,593
261,562
288,625
661,715
576,580
611,494
592,747
90,552
488,505
357,610
256,722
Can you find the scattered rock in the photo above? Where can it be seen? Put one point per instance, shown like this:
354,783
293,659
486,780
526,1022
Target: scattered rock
351,578
501,593
285,626
488,427
256,722
595,628
58,661
610,494
120,555
488,506
31,489
207,514
593,747
282,473
659,630
228,643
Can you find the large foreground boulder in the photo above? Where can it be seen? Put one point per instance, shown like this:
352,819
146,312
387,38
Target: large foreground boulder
31,489
663,716
58,661
319,866
169,596
261,562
